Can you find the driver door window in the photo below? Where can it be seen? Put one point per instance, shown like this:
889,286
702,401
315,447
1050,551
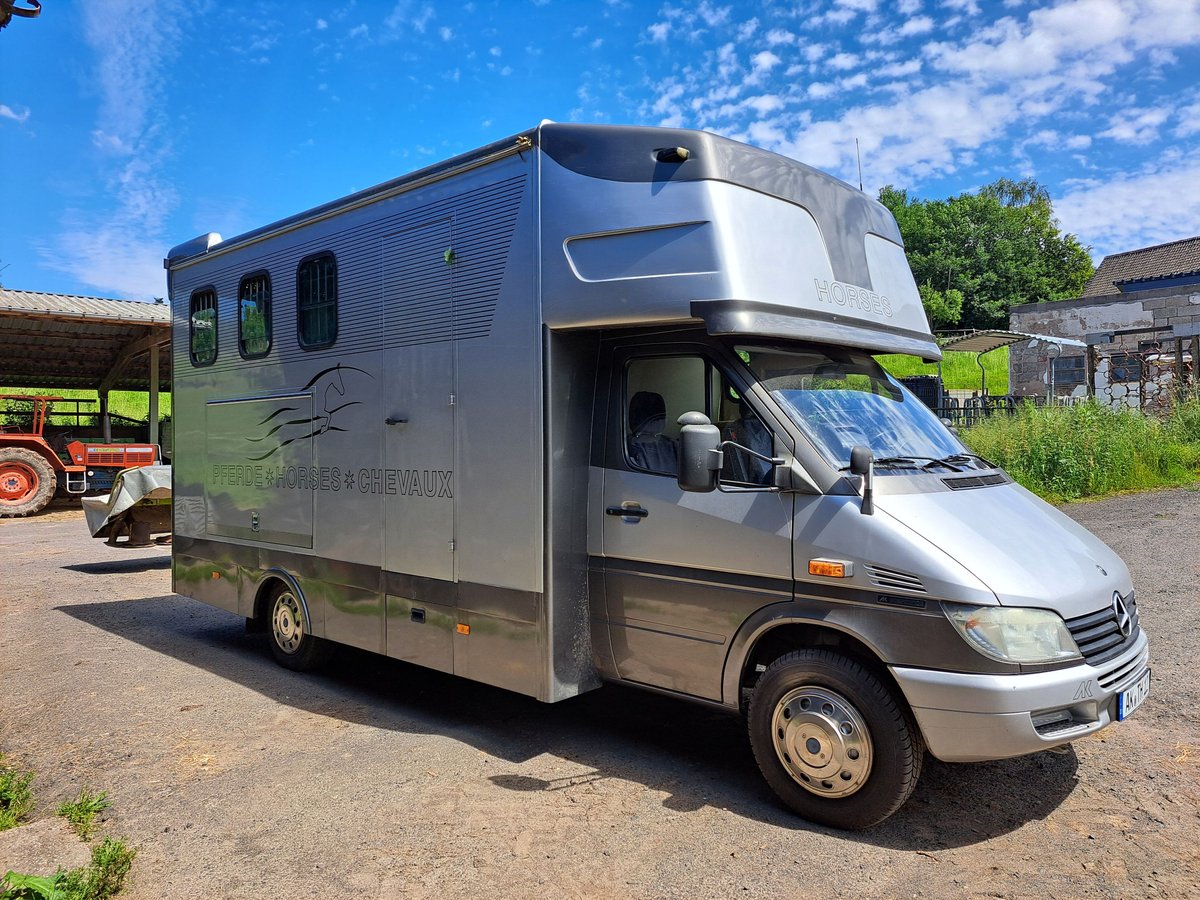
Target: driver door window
658,390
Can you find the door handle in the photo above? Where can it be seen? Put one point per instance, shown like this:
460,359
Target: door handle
392,420
631,512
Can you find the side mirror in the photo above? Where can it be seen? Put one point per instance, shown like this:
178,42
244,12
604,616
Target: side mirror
862,462
949,426
700,457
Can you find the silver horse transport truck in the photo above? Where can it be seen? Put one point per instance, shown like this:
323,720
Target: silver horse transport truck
600,404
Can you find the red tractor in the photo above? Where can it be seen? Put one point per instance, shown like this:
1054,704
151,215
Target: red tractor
31,472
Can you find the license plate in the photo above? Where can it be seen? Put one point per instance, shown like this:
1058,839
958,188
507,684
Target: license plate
1128,701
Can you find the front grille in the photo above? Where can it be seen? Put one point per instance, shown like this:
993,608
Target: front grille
974,481
890,579
1098,635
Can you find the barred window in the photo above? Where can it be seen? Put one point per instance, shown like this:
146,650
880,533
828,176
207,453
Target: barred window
254,315
1124,367
203,327
1068,370
316,301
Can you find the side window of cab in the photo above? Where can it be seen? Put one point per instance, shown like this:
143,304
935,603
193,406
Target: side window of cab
660,389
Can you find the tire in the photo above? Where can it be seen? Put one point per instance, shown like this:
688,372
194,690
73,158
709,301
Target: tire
27,482
292,642
832,740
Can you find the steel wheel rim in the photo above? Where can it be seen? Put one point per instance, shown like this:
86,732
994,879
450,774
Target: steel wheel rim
822,741
287,622
17,482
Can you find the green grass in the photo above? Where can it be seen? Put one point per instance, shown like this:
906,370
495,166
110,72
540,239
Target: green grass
1089,450
16,798
131,404
82,813
959,370
102,879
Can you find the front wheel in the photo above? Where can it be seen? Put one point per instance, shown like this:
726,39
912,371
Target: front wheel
27,482
832,740
292,643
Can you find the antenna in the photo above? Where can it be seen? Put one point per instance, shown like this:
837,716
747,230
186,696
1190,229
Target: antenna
858,153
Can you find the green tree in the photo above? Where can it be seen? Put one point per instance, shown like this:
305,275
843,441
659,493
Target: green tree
976,255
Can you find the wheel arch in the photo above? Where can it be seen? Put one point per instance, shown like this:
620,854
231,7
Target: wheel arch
34,444
271,580
774,631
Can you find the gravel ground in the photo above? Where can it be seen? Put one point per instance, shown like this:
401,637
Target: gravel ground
236,778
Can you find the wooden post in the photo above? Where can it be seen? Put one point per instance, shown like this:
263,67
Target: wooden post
1091,363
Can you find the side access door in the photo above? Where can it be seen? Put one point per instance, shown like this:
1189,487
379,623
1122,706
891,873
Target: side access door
682,571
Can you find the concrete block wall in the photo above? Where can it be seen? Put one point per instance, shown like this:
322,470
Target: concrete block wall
1162,308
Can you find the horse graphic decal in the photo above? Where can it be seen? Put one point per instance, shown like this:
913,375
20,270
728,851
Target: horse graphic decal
329,389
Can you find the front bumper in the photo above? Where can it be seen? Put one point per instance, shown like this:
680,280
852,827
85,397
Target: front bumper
968,718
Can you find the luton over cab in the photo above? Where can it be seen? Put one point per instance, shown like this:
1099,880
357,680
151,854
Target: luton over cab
600,404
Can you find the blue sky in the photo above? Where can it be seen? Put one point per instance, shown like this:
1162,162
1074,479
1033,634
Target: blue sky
127,127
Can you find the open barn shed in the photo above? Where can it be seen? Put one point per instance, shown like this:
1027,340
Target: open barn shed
61,341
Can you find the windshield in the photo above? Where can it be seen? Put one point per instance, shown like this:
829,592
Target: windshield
843,398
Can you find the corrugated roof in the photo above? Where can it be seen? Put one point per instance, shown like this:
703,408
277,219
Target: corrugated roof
1160,261
69,306
52,341
986,341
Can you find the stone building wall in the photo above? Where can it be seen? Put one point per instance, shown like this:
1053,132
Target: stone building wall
1145,311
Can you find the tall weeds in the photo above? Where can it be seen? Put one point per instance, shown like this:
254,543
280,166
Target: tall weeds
1087,450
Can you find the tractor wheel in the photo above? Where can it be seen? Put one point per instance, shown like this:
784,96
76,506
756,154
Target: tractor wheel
27,482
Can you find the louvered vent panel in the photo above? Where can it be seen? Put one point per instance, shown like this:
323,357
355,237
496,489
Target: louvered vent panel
418,294
894,580
974,481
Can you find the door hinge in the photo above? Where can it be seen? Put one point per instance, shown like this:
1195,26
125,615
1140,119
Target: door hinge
451,545
451,399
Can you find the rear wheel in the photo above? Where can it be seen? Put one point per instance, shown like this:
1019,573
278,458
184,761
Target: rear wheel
832,740
27,482
292,642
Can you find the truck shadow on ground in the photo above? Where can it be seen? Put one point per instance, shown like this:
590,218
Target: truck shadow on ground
695,756
122,566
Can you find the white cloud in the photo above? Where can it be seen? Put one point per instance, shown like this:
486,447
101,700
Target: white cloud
1124,212
764,103
765,61
915,25
322,24
746,30
1136,126
659,31
901,69
1189,121
713,15
406,17
445,33
1161,57
7,112
117,245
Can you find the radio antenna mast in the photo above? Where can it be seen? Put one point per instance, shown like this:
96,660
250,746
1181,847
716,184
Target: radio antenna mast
858,153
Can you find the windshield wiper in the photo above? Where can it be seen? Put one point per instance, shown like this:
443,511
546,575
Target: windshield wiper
911,462
955,461
959,458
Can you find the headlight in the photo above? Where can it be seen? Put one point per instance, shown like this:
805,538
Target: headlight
1014,634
